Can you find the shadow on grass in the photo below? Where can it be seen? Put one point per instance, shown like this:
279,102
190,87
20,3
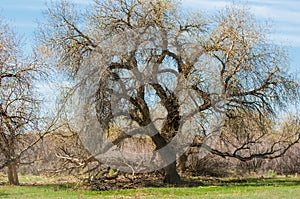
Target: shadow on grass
189,182
243,182
2,195
54,187
222,182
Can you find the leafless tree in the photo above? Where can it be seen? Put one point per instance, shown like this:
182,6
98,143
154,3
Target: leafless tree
19,104
134,59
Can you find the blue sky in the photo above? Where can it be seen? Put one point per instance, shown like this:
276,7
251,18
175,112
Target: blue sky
284,14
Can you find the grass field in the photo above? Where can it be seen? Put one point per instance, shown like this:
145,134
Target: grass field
222,188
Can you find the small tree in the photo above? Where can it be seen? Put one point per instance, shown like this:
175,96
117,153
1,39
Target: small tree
19,106
156,72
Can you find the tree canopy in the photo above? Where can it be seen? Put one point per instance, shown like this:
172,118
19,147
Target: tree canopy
156,72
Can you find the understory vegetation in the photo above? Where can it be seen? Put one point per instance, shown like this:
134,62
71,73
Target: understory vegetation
48,164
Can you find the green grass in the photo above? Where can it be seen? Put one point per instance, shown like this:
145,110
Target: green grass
221,188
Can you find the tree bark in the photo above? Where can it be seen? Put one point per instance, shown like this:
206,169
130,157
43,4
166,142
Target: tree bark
12,173
171,174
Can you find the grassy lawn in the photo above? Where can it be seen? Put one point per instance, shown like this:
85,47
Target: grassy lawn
222,188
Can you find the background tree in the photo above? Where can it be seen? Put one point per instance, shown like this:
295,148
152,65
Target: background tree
20,121
156,72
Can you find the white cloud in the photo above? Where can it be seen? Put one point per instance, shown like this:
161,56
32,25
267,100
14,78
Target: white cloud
286,39
84,2
284,15
291,4
277,14
205,4
286,23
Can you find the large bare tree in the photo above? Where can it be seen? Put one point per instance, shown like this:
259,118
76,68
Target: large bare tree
149,70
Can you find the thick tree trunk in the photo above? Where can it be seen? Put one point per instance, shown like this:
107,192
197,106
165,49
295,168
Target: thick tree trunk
171,174
12,173
169,156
